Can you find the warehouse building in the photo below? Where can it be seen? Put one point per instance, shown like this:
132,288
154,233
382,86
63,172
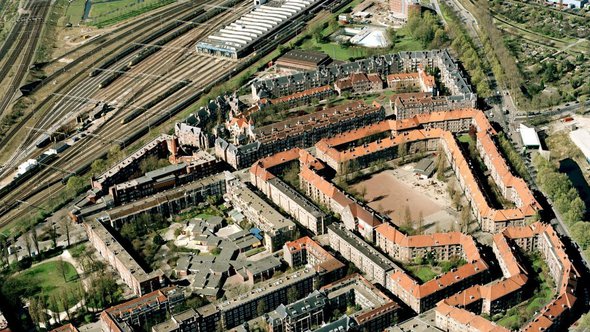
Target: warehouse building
303,60
236,39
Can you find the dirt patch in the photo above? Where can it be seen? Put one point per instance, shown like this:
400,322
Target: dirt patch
391,191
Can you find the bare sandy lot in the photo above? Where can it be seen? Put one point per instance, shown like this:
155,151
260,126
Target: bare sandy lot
390,191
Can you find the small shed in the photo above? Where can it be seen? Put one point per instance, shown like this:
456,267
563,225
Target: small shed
425,167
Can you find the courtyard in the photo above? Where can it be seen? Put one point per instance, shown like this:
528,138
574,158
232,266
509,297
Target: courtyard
394,192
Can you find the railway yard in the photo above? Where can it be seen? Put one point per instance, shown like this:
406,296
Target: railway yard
240,165
140,84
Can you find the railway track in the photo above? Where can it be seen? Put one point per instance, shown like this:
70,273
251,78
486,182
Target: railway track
82,152
21,54
71,86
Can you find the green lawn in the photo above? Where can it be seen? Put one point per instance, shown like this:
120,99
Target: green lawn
75,11
105,13
509,320
464,139
100,8
44,280
424,273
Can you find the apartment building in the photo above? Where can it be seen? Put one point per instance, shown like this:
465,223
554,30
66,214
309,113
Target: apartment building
277,229
158,147
289,199
451,313
186,321
451,75
164,203
436,134
367,259
190,135
299,316
377,310
443,246
271,294
138,279
408,105
305,251
302,131
302,98
132,314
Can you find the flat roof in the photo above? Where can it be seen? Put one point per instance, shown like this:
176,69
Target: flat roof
267,287
299,199
275,219
529,136
314,57
362,246
581,137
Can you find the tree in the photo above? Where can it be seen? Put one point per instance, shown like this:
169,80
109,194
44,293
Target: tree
35,239
54,303
408,219
402,150
53,235
3,250
65,224
75,185
261,308
64,301
440,165
28,244
98,166
292,294
392,35
363,192
465,219
115,154
420,222
61,268
34,310
581,233
152,163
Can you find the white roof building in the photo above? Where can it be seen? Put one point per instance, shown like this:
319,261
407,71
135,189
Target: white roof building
529,137
234,39
581,138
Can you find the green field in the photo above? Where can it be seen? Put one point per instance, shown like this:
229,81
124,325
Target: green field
75,12
106,13
106,7
44,280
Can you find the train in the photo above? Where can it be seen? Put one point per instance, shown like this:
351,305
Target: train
113,76
40,162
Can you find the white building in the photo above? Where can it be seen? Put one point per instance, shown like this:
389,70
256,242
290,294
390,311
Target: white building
529,137
581,138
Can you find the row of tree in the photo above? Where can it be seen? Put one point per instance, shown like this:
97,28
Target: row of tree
467,52
566,199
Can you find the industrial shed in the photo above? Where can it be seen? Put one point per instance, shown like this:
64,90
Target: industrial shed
236,39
